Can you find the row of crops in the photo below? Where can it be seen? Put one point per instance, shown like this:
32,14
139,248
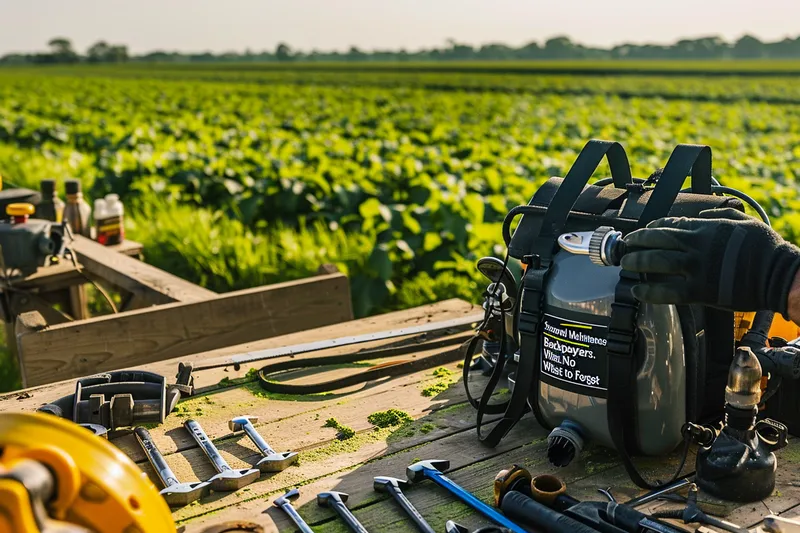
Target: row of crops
242,177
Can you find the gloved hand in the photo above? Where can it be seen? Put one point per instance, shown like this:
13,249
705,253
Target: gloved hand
724,259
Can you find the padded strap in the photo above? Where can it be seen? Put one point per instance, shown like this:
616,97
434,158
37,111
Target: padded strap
526,389
621,403
694,158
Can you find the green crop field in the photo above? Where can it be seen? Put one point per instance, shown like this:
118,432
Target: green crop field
236,176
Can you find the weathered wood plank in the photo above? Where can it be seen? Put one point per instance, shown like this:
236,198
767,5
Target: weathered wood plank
353,472
132,275
128,247
51,278
173,330
36,396
26,303
283,419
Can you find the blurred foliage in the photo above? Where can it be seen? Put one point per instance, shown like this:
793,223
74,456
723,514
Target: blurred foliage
400,179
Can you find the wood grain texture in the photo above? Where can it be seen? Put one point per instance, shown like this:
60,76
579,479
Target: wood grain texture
132,275
167,331
282,420
34,396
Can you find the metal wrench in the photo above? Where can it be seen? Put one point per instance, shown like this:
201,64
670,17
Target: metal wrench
285,503
227,478
336,500
392,486
272,461
175,493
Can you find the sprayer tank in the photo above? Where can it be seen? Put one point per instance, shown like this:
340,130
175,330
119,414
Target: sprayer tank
573,373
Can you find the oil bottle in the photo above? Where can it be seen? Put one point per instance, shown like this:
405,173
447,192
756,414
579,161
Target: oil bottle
77,211
111,228
51,207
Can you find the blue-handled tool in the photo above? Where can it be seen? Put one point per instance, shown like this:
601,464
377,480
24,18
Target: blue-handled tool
433,470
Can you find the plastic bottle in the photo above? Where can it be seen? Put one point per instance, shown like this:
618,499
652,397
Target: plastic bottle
112,226
51,207
77,211
99,214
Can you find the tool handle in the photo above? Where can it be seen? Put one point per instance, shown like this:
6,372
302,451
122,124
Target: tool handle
296,518
467,497
409,508
193,427
349,518
157,461
258,440
532,513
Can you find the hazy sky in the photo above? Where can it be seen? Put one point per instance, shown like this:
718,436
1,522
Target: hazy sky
220,25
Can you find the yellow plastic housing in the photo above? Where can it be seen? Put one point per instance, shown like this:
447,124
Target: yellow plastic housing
98,486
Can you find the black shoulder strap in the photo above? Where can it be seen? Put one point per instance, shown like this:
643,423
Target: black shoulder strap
622,330
685,158
526,388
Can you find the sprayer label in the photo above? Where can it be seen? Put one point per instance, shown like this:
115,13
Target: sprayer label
573,355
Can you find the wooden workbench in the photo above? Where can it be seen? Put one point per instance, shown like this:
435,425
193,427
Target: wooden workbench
443,428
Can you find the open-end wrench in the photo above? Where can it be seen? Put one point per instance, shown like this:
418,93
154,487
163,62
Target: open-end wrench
392,485
272,461
285,503
336,501
432,470
227,479
175,493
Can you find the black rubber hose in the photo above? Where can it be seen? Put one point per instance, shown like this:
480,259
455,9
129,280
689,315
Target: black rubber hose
514,213
528,512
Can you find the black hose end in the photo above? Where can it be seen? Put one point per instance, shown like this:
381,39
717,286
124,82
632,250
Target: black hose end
564,444
560,452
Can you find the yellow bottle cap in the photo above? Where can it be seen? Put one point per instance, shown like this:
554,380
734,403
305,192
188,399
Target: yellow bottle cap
19,210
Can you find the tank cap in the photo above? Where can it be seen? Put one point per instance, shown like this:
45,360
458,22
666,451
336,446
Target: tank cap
19,210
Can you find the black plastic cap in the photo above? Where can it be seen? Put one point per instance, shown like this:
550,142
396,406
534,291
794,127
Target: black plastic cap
73,186
48,187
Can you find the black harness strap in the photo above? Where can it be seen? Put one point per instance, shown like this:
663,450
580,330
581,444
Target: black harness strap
621,403
526,389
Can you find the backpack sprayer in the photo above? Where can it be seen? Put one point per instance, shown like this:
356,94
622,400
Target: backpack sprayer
593,364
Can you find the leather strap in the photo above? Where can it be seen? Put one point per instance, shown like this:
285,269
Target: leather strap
388,369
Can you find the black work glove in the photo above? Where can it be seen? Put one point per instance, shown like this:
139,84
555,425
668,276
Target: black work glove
724,259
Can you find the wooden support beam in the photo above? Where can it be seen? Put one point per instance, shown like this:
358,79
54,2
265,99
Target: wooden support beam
25,303
167,331
147,282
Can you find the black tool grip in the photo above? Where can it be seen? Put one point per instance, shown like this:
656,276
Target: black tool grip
529,512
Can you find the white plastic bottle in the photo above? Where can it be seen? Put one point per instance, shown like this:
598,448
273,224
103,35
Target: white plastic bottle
99,214
113,225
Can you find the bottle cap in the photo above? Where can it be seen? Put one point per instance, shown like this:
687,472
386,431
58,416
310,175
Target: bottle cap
99,203
48,187
111,198
19,210
73,186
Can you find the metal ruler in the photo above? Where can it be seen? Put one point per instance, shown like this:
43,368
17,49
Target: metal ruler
250,357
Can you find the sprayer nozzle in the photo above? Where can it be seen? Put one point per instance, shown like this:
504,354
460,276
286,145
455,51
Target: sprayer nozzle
564,444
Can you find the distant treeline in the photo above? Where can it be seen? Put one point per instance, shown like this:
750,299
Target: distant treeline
561,48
